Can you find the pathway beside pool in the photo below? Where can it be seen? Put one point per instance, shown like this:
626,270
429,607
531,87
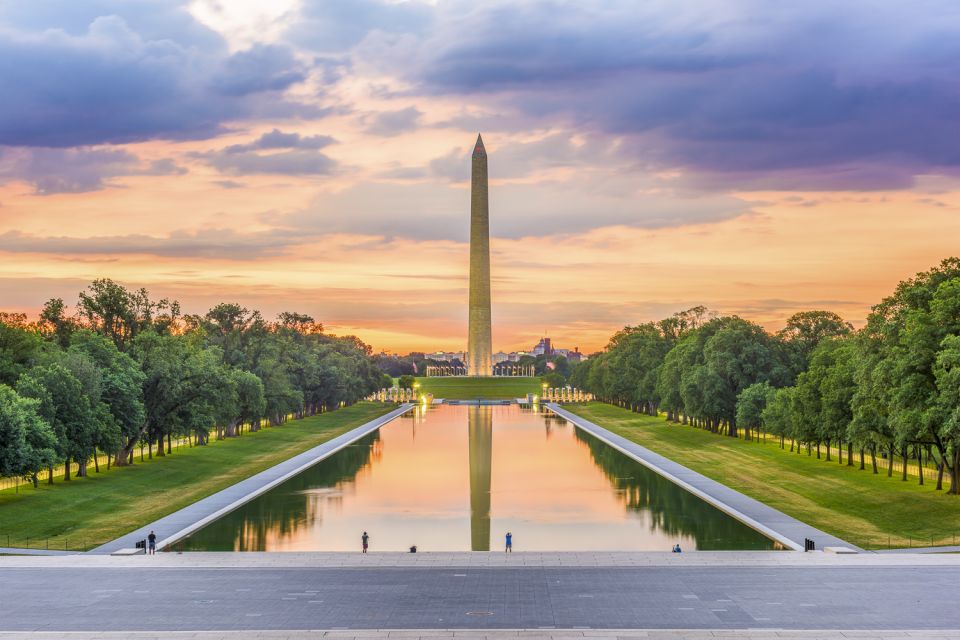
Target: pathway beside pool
765,519
175,526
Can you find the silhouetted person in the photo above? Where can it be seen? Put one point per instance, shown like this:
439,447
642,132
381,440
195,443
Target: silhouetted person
676,548
152,543
509,543
366,541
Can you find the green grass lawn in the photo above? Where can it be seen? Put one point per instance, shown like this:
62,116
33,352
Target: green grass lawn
86,512
456,388
868,510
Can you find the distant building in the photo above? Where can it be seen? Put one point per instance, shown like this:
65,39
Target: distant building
543,348
501,356
446,356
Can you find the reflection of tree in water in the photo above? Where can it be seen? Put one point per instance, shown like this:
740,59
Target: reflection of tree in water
296,504
671,509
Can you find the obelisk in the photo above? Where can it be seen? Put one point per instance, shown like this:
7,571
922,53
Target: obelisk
479,343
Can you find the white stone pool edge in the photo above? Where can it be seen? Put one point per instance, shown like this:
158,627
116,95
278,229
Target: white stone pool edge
772,523
203,512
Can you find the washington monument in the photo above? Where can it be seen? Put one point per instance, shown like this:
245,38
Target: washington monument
479,343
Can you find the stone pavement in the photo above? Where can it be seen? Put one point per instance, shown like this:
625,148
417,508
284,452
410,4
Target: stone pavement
140,597
478,559
506,634
767,520
177,525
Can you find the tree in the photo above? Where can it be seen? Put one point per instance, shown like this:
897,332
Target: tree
66,408
904,334
406,382
27,443
121,387
804,331
946,372
20,349
751,403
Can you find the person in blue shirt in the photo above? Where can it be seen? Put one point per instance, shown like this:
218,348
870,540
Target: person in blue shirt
509,543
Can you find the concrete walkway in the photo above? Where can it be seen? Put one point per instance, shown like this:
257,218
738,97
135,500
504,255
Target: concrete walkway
16,551
946,549
179,524
767,520
481,560
487,634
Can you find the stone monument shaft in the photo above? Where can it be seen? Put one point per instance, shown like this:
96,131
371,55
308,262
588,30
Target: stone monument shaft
479,343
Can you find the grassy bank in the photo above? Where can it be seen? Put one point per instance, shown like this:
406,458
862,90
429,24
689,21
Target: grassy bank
479,388
85,512
872,511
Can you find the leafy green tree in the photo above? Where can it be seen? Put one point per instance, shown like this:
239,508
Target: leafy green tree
947,410
804,331
121,387
27,443
65,406
751,403
406,382
904,334
20,349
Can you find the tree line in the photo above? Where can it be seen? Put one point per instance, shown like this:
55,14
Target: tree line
891,387
125,371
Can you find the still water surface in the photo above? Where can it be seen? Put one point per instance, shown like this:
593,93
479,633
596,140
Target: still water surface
458,478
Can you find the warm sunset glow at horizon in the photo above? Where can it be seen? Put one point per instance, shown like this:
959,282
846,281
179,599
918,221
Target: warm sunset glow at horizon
315,157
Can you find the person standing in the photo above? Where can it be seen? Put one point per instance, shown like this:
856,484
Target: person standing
152,543
366,541
509,548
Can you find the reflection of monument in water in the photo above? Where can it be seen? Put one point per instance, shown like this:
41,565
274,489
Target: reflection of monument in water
479,341
480,437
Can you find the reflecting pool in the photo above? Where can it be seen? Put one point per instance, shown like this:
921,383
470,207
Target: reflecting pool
459,477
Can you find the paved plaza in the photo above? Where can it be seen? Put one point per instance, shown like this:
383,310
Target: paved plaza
707,591
505,634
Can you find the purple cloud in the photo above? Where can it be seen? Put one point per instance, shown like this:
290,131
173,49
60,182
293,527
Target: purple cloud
108,82
748,92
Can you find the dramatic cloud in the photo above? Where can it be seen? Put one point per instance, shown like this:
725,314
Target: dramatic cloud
391,123
436,212
52,171
206,243
337,25
277,139
287,154
797,95
110,83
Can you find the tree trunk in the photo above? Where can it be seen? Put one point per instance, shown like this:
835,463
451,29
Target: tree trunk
955,472
861,459
873,458
169,446
35,480
850,454
904,451
920,463
890,463
828,450
96,462
50,475
66,470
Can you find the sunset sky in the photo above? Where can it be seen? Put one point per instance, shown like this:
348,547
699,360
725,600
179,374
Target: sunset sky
313,155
